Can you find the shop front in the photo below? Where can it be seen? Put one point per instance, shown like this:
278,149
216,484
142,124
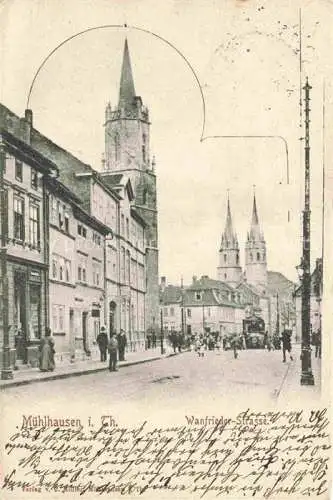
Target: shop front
26,311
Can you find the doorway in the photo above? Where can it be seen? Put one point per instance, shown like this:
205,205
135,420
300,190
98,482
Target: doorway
20,316
85,332
112,316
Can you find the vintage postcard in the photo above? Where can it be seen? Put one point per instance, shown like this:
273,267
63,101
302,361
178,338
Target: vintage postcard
166,239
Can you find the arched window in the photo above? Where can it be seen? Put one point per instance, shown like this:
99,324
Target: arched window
258,256
117,146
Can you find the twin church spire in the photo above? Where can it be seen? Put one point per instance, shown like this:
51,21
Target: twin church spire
229,269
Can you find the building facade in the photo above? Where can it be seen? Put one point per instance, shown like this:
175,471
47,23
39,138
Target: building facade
127,151
25,257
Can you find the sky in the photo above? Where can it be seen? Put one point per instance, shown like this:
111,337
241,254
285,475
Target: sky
205,71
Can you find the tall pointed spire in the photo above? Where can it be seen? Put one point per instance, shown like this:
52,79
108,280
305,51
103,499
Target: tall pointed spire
255,233
229,238
126,90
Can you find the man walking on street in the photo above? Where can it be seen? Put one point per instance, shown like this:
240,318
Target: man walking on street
122,343
286,344
113,349
102,341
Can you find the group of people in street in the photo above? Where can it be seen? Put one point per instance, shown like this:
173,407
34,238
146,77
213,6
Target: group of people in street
115,345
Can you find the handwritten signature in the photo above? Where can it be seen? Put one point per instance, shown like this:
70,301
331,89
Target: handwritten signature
288,454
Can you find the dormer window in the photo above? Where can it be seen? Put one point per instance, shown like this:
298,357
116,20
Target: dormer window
198,295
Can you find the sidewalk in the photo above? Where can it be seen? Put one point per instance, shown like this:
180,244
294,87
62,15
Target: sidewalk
291,391
31,375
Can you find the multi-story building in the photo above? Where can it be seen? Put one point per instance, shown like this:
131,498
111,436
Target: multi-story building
127,152
25,258
206,305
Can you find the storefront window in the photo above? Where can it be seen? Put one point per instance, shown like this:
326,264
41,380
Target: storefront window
35,311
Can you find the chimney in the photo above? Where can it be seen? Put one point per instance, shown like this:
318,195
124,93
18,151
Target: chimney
28,116
163,283
26,126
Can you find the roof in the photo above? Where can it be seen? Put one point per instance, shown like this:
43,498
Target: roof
117,182
229,238
126,88
211,293
59,188
28,154
170,294
255,233
277,283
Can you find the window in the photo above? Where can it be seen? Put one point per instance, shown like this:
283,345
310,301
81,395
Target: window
127,228
18,170
237,259
61,323
66,218
225,257
18,218
251,257
208,311
123,264
198,295
81,230
122,227
97,239
172,311
54,268
128,267
165,311
189,313
258,256
68,271
61,271
96,274
34,226
117,147
34,178
79,273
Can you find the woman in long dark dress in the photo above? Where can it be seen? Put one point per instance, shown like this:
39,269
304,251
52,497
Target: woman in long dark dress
46,352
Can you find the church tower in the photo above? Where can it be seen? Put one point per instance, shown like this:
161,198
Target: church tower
127,151
255,252
229,269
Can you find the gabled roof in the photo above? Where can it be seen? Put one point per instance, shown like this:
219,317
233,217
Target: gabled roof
118,182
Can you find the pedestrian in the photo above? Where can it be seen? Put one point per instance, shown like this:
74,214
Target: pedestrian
233,343
122,343
113,349
148,340
318,344
286,344
102,341
46,352
153,340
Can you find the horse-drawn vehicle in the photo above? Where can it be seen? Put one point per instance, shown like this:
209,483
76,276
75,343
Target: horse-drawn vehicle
254,332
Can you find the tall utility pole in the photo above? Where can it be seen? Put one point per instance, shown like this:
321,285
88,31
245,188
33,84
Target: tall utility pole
307,375
6,372
277,316
182,307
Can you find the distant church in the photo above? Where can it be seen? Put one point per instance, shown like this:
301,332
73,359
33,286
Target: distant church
272,290
127,155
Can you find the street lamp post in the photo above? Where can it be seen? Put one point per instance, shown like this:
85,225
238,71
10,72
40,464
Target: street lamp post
307,375
6,372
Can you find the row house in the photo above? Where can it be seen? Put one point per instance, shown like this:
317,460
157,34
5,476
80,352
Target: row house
25,258
76,253
76,274
205,306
